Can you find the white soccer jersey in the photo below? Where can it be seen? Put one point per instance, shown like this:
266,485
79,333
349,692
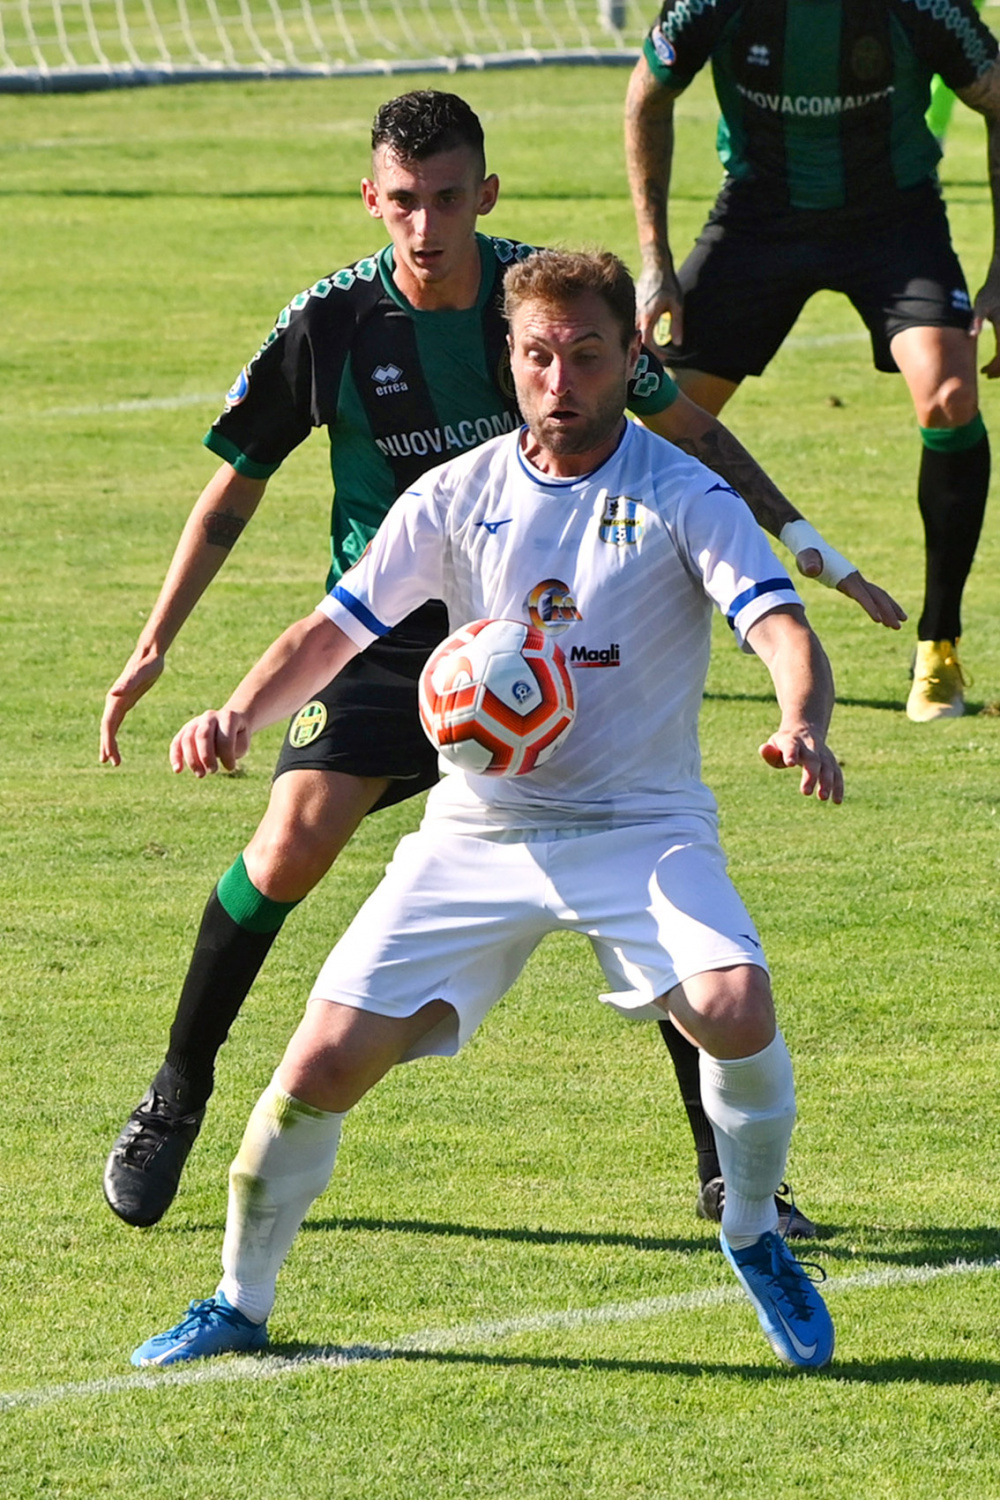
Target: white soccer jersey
624,566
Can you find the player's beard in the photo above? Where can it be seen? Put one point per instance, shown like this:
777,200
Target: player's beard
598,427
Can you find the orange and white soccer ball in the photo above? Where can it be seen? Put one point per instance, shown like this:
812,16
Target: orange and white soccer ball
496,698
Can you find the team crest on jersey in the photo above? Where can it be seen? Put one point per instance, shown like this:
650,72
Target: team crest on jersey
551,606
621,523
663,46
867,59
307,725
505,378
238,390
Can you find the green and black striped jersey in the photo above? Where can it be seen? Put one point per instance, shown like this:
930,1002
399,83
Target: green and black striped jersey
823,101
398,389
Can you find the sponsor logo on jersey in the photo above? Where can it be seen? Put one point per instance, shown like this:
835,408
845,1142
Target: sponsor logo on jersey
583,656
388,380
307,725
238,390
663,46
960,300
812,104
759,55
551,606
621,521
454,436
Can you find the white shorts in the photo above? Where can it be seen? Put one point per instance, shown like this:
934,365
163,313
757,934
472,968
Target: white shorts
457,916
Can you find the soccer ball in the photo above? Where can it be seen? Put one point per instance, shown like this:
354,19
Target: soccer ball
496,698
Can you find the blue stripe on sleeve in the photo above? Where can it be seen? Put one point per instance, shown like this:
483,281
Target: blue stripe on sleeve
769,586
358,610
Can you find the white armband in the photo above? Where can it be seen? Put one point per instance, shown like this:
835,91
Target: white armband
798,535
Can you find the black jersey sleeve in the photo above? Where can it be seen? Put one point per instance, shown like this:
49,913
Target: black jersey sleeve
652,388
949,37
276,399
683,38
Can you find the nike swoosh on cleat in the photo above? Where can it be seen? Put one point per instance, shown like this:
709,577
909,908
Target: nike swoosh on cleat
159,1358
804,1351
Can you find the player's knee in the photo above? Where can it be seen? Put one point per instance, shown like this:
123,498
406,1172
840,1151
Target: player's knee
285,860
954,403
733,1011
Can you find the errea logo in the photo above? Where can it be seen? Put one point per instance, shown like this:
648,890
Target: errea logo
388,380
759,55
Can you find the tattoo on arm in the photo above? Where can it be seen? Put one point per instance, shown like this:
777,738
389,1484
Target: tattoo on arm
720,451
223,528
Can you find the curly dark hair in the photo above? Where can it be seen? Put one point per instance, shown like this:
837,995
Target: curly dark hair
424,122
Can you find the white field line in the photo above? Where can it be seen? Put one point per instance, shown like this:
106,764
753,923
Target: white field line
175,403
146,403
334,1357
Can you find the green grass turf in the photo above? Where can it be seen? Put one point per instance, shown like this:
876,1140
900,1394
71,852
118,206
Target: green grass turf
148,241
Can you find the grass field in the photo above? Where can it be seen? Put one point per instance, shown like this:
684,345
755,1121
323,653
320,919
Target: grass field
505,1293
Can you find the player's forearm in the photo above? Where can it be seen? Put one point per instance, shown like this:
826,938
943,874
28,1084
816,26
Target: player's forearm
215,524
800,671
292,670
649,149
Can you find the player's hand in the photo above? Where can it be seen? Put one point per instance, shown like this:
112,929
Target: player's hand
810,752
658,296
986,309
140,672
877,604
216,737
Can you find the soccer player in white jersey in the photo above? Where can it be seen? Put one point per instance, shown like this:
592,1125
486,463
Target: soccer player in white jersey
637,542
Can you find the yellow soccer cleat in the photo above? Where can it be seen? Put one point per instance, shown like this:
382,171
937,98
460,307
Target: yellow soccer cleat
938,683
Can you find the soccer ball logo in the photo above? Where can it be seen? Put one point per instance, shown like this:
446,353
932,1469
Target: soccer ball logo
496,698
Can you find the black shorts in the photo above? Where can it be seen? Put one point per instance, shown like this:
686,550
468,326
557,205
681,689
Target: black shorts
365,722
750,273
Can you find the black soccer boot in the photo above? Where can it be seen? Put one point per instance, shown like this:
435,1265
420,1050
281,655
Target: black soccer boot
144,1169
793,1224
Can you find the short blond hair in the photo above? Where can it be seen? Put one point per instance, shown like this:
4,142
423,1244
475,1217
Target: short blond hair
555,277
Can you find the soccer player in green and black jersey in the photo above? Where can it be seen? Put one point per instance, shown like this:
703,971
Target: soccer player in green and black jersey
831,184
403,358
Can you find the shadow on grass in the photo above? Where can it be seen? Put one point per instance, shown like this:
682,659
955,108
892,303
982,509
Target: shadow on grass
883,705
926,1245
903,1370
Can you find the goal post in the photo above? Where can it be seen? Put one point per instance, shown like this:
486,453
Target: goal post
76,45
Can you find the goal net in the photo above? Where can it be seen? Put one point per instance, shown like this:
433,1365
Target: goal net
88,44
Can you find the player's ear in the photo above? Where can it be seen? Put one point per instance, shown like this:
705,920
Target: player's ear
369,196
633,352
488,193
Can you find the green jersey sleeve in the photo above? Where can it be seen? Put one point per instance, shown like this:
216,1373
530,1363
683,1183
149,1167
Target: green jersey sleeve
683,38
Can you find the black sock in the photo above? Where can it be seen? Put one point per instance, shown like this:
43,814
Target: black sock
224,965
952,496
685,1059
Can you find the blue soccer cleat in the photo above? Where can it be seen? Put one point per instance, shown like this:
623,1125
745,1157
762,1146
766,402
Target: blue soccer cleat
207,1328
791,1311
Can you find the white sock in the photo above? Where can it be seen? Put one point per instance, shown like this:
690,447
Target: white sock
284,1163
751,1104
